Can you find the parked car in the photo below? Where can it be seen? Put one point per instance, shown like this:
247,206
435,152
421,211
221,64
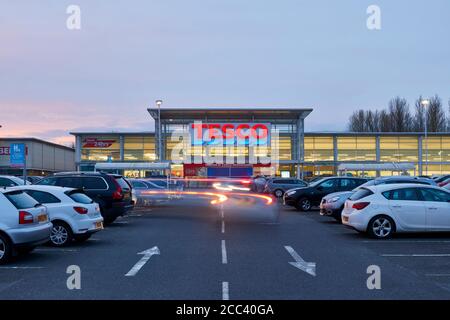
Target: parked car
440,179
305,198
111,191
11,181
278,186
383,210
333,204
445,182
34,179
24,224
74,215
140,187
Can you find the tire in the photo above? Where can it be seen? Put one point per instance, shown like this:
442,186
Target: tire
339,217
61,234
5,249
381,227
82,237
278,193
304,204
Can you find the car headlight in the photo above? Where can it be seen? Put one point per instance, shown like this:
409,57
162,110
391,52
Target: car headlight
334,199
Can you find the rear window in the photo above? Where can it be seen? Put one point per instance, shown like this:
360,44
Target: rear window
361,193
79,197
122,183
47,182
21,200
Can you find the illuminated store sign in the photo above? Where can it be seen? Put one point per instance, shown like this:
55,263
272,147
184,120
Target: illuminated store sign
230,134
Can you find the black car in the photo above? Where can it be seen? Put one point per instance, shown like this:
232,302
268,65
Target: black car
305,198
112,192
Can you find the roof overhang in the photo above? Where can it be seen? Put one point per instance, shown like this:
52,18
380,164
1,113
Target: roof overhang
231,113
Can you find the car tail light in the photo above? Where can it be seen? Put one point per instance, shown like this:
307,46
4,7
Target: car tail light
246,182
118,194
81,210
360,205
25,217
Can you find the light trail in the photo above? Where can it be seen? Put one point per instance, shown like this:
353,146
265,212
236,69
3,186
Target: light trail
220,198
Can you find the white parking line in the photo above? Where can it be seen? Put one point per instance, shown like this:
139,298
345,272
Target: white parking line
417,255
224,253
54,250
225,291
407,241
17,267
223,226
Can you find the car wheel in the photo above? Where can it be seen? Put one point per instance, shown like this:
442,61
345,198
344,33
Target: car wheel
304,204
5,249
82,237
278,193
381,227
109,220
61,234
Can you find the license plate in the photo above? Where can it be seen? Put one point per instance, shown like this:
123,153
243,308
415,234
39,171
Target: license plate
99,225
345,219
42,218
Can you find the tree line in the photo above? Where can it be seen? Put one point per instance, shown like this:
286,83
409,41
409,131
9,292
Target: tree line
397,117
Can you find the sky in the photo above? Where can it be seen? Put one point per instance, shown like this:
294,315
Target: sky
238,53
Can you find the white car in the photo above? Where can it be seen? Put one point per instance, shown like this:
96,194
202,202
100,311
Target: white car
74,215
11,181
24,224
385,209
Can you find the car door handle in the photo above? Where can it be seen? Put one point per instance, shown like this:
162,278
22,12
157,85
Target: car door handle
432,208
397,206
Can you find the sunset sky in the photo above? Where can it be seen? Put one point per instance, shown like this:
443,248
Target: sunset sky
212,53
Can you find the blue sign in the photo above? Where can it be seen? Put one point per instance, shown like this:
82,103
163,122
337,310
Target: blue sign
17,154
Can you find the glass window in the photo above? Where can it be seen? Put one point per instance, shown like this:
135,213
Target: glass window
409,194
360,194
327,184
48,182
138,185
94,183
347,183
69,182
21,200
79,197
100,148
435,195
139,148
4,182
43,197
318,148
399,149
122,183
356,148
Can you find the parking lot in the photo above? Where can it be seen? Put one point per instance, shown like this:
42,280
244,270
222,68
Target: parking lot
196,250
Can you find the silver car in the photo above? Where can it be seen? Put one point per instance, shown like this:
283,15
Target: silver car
333,204
146,192
24,224
278,186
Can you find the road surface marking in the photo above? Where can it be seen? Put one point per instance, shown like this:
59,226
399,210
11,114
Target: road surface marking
225,291
224,253
308,267
147,255
417,255
13,267
407,241
121,222
54,250
223,226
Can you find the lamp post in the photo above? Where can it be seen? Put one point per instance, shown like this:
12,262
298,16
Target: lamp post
159,103
425,103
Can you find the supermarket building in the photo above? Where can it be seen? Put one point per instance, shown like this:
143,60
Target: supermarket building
299,154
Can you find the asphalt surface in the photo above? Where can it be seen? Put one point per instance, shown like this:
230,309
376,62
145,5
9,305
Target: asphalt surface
236,250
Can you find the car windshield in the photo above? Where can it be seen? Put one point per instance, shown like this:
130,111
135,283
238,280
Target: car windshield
21,200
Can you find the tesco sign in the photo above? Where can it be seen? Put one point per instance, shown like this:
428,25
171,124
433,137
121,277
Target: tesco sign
229,134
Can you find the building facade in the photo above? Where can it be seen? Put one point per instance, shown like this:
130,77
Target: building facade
299,154
42,157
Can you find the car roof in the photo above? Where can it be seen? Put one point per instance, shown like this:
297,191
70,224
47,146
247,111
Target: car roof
394,186
43,188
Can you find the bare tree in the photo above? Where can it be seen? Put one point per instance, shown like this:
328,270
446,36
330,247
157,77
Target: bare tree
385,122
399,115
436,119
419,116
357,121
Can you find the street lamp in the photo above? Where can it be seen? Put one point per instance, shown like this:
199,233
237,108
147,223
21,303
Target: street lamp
425,103
159,103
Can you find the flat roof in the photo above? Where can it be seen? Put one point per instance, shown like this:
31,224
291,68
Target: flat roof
25,139
318,133
240,113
